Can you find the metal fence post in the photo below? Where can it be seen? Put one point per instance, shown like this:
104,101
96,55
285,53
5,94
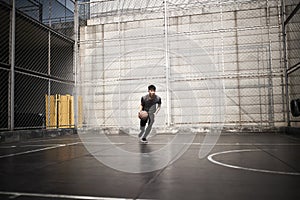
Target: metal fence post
12,64
76,26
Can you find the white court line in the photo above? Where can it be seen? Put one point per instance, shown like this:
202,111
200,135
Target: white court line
59,196
7,147
210,158
154,143
37,150
163,143
45,145
198,143
237,144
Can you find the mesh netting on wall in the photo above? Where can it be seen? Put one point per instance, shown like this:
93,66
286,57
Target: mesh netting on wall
292,28
214,62
41,63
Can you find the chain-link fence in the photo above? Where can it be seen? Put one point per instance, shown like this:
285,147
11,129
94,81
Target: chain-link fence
214,62
36,61
291,31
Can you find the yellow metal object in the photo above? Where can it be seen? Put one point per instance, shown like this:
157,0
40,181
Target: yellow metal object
51,111
80,112
60,111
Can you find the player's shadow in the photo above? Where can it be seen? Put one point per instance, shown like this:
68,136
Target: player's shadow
145,148
147,158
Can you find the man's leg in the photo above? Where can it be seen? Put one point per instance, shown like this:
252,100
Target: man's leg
142,127
150,123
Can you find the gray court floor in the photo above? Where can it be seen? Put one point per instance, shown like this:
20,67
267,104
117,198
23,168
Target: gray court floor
239,166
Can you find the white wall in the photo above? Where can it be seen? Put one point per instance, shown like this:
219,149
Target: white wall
225,66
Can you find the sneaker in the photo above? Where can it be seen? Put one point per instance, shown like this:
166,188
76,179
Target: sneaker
144,140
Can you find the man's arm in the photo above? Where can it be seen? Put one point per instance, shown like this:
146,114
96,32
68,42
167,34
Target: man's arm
158,106
140,108
142,104
157,109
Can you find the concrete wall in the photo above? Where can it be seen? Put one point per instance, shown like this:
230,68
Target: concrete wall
225,66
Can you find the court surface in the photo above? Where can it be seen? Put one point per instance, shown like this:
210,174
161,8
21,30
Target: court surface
239,166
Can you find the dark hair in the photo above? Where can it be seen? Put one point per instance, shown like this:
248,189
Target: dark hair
152,87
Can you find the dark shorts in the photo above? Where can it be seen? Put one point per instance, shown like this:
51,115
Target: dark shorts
143,122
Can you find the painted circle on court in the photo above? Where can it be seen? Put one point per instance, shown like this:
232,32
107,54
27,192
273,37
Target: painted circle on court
211,159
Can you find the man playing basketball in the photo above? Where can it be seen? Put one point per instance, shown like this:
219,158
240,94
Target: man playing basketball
148,103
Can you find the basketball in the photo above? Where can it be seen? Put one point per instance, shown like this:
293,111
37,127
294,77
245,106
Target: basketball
143,114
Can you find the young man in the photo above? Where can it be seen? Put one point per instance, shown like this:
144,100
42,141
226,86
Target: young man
148,103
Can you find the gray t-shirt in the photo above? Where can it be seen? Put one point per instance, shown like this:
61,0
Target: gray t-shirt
149,104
